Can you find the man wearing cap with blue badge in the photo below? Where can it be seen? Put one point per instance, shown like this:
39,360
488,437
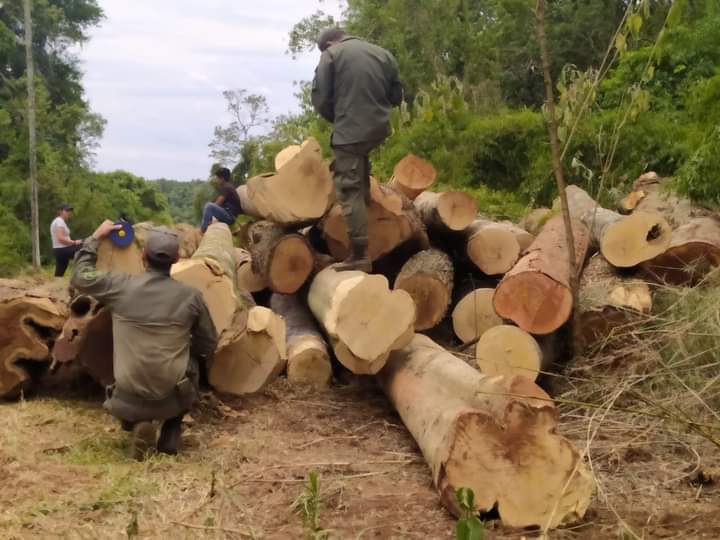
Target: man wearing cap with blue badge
161,331
64,247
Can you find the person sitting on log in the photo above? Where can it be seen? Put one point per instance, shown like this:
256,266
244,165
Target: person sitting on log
64,248
161,328
226,207
355,86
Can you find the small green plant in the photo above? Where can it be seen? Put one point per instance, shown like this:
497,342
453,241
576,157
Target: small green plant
307,506
469,526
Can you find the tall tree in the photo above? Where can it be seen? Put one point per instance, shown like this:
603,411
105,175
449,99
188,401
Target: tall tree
32,136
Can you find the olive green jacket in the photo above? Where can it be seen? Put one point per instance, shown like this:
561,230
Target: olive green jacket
355,87
158,323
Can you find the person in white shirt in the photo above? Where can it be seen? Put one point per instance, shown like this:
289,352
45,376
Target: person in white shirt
64,248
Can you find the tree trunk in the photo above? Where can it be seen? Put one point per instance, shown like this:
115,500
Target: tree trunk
361,312
308,361
507,350
428,278
474,315
609,304
247,279
32,135
189,237
491,247
30,323
625,241
495,435
413,175
251,353
392,221
284,261
299,193
128,260
536,293
447,211
535,220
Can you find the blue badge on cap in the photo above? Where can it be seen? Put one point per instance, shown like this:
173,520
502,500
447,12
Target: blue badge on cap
124,236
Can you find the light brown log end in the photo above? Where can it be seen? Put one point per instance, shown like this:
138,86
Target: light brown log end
291,263
636,238
309,362
494,250
507,350
413,175
457,210
474,315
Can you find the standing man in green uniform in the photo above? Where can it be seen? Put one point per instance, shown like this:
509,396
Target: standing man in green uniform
355,87
161,329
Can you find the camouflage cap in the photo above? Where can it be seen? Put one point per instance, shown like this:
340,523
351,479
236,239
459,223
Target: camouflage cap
162,245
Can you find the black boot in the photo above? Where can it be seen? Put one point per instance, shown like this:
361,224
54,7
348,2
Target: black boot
170,436
358,258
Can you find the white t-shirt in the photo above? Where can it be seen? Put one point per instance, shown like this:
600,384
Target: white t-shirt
57,224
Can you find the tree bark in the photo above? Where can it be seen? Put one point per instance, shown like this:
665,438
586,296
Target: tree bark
428,278
507,350
308,359
413,175
361,313
491,247
32,135
609,304
536,294
625,241
495,435
447,211
284,261
474,315
299,193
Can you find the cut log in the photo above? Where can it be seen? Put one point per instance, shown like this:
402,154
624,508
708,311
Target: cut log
251,353
491,247
609,303
189,237
495,435
625,241
474,315
428,278
248,208
361,312
524,238
86,340
450,210
536,219
128,260
413,175
536,294
507,350
308,361
29,326
284,261
247,279
392,221
298,194
285,155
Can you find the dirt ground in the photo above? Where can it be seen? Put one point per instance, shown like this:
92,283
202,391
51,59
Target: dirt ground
65,474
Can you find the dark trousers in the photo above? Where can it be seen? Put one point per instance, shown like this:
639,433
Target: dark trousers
351,175
63,256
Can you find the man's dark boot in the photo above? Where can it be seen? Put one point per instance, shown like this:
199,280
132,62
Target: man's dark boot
358,258
170,436
142,440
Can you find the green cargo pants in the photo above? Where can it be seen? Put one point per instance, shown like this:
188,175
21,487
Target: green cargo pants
351,174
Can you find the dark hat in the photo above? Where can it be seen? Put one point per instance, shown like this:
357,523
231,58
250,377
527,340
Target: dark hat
162,245
329,34
65,206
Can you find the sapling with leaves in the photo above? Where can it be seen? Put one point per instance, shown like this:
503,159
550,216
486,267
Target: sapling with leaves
469,526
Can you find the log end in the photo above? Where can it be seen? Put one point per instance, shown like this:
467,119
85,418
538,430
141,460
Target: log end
636,238
508,350
431,297
493,250
309,362
457,210
474,315
291,264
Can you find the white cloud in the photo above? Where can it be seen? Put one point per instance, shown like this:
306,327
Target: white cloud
156,71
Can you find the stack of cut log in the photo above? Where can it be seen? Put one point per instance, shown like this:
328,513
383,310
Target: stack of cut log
503,289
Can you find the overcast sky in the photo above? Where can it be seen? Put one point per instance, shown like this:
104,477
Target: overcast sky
156,71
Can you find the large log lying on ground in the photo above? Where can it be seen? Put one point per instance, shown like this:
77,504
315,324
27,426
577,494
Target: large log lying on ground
428,277
536,293
392,221
284,261
300,192
608,303
447,211
694,247
413,175
189,237
625,241
30,322
308,361
492,247
246,278
495,435
508,350
475,314
360,312
535,220
111,258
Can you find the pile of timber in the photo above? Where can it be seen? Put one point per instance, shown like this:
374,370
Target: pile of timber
500,289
